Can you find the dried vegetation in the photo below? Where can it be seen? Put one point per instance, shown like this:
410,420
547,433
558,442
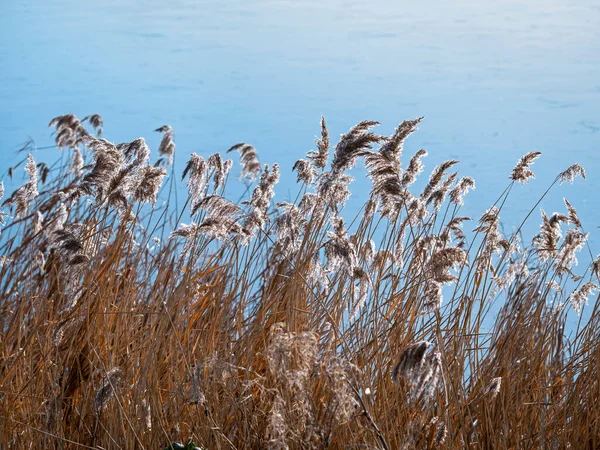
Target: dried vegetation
125,323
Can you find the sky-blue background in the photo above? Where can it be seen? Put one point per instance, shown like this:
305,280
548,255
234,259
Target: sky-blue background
494,80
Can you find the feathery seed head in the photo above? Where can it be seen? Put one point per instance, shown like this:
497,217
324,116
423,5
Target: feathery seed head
549,236
220,169
393,146
580,296
27,191
570,174
137,151
461,189
217,206
319,157
306,171
414,169
436,177
107,389
351,146
572,244
521,173
167,145
32,173
417,211
573,217
411,361
248,159
442,261
438,196
185,231
494,387
339,251
308,203
261,199
197,169
430,378
78,162
596,267
96,122
432,296
3,215
289,225
69,131
454,228
108,160
151,179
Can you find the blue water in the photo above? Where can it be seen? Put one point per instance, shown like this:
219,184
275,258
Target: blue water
494,80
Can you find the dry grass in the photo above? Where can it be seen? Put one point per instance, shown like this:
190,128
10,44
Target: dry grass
281,326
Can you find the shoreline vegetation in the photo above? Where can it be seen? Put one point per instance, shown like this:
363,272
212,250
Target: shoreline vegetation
126,323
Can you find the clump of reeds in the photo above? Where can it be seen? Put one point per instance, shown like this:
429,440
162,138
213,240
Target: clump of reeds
125,323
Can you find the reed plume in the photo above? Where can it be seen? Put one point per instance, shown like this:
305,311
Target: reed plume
27,191
249,160
319,158
69,131
166,148
107,388
573,217
306,171
78,162
436,178
3,215
461,189
260,200
150,182
411,361
414,169
580,296
96,122
339,251
570,174
108,160
521,172
494,387
220,169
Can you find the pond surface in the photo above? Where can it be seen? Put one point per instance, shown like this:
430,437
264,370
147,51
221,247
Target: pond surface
494,80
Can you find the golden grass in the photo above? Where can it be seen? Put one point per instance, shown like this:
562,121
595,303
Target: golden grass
282,326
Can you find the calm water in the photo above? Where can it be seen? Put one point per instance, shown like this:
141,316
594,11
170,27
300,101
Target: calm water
494,79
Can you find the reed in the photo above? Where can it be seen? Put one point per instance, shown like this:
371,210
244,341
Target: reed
129,323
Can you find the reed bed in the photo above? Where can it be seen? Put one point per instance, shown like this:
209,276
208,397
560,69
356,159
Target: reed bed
126,322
